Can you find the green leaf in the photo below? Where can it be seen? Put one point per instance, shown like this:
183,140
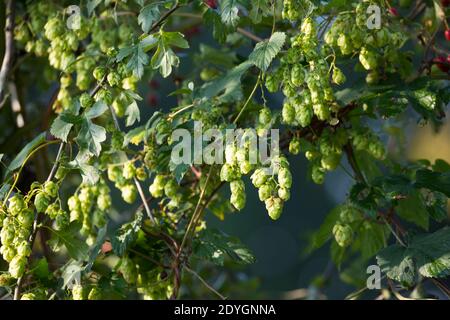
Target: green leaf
132,113
213,21
134,136
89,173
76,248
373,239
229,12
90,137
228,85
397,262
148,15
126,234
265,51
23,154
321,236
71,273
96,110
40,269
174,39
259,9
427,254
435,181
163,59
138,59
213,245
96,248
91,5
413,209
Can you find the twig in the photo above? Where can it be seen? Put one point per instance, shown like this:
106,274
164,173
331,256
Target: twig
164,17
9,46
35,222
353,163
204,282
248,100
136,181
249,35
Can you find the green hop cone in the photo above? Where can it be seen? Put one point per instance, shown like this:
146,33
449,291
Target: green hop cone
17,266
28,296
377,150
99,73
288,113
297,75
104,201
272,82
141,174
238,197
349,214
265,116
156,191
74,203
129,170
52,210
338,76
321,111
16,204
26,217
294,146
317,174
51,189
62,220
274,207
368,59
171,189
245,166
303,114
284,194
78,292
330,161
229,173
41,201
129,193
343,234
113,79
86,101
259,177
284,178
8,252
7,233
23,249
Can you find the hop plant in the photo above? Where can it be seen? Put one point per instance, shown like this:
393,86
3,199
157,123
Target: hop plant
237,199
343,234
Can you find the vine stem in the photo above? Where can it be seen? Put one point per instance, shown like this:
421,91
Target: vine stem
9,46
36,217
248,99
136,181
204,282
196,212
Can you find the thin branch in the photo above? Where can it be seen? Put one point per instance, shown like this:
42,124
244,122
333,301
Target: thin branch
9,46
164,17
249,35
204,282
353,163
136,181
36,218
